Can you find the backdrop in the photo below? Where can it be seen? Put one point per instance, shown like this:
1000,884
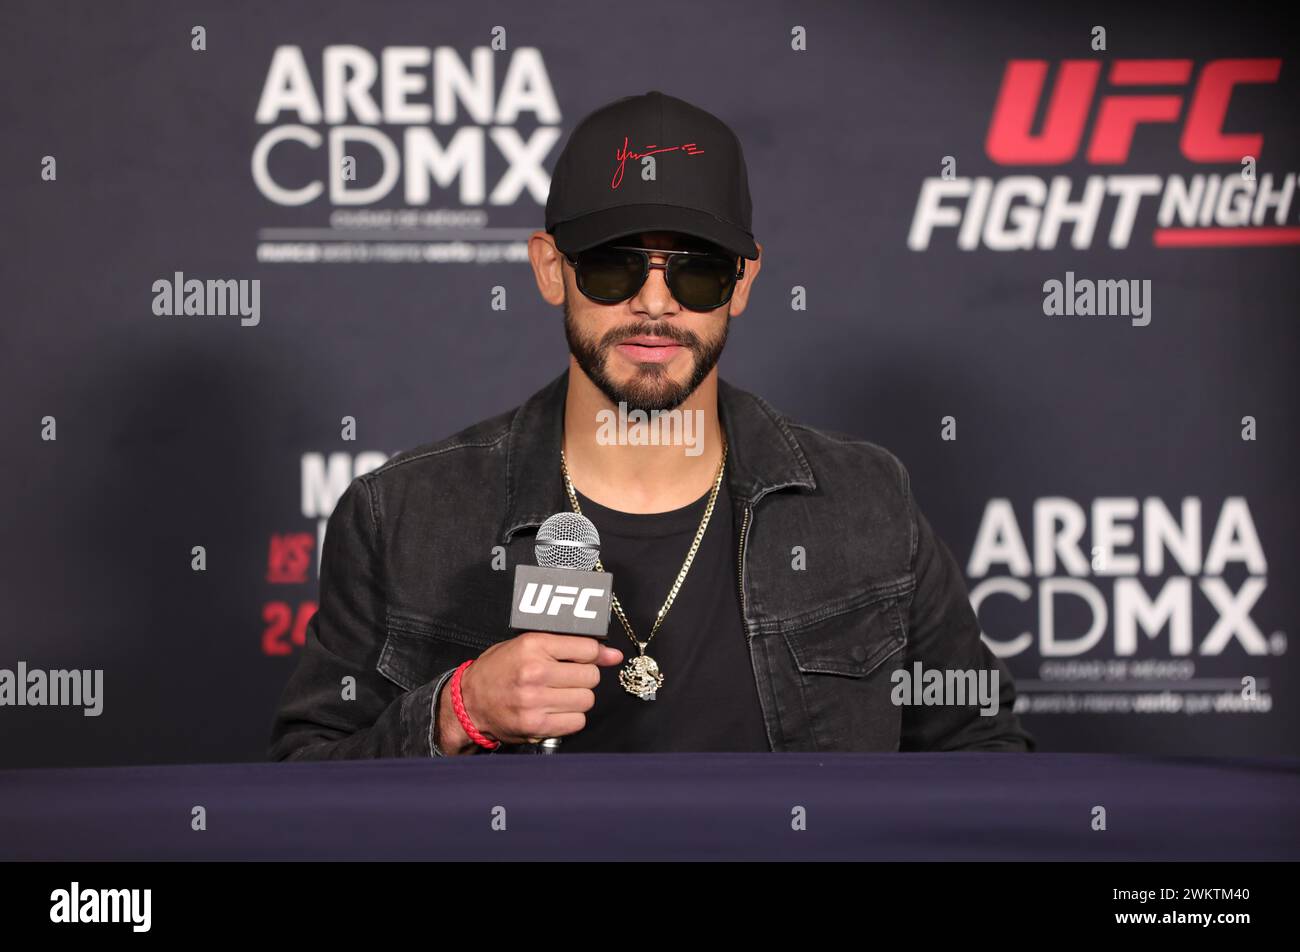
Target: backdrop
1111,463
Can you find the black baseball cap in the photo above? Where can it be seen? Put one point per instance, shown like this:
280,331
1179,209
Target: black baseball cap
700,186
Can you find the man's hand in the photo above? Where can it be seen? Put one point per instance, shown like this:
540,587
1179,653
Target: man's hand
529,687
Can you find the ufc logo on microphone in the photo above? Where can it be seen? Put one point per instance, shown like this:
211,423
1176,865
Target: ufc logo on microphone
1010,141
538,599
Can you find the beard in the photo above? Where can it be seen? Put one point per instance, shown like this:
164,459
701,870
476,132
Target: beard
651,387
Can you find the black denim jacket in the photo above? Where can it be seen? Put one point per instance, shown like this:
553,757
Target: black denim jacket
408,588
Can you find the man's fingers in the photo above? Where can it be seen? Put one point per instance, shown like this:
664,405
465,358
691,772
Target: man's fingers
565,711
567,700
568,674
570,647
609,656
560,725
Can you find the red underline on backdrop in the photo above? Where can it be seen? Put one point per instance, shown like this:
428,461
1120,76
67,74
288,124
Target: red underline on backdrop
1224,237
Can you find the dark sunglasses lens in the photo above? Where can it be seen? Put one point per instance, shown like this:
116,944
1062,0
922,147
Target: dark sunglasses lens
702,283
609,275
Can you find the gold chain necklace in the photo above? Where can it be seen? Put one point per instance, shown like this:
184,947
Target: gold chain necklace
641,675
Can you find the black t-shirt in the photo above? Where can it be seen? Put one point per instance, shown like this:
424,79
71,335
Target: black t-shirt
708,701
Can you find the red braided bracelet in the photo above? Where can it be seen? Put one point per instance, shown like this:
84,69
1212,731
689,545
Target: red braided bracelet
459,706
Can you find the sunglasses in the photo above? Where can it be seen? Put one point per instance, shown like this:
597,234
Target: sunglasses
699,280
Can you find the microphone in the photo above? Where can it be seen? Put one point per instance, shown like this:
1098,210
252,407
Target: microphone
563,594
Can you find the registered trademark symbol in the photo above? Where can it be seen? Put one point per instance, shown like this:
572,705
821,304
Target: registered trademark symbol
1277,642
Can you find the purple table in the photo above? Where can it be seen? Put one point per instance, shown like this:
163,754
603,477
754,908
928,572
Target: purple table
653,806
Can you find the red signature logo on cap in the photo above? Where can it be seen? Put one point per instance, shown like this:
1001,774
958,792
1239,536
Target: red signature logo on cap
622,155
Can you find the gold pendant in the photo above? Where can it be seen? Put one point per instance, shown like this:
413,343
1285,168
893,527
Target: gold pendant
641,677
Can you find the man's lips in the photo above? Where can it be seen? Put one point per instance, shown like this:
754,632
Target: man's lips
649,350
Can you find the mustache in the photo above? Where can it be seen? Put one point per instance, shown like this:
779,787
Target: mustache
677,335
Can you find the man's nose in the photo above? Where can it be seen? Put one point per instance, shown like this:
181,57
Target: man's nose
654,299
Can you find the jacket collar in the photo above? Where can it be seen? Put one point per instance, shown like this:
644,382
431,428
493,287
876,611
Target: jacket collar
763,454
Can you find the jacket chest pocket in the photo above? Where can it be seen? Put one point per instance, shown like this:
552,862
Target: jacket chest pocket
842,671
418,648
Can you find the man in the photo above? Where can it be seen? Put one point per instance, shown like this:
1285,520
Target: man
774,585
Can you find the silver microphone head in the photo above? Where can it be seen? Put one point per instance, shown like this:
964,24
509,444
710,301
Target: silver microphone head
568,540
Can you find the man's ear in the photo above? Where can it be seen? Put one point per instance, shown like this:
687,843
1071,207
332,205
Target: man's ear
548,267
740,296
